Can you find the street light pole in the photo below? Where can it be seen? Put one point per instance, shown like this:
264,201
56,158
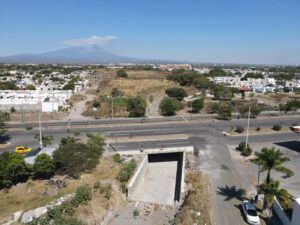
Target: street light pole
40,125
112,107
247,136
68,129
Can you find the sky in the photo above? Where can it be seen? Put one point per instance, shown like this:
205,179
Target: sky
215,31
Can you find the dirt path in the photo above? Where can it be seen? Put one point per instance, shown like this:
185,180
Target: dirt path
153,108
79,107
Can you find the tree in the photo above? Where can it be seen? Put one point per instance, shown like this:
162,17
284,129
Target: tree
70,85
222,92
224,111
217,73
122,73
178,93
196,105
76,133
271,159
7,85
47,140
43,166
30,87
202,83
168,106
255,110
73,158
272,190
5,180
136,106
17,168
3,119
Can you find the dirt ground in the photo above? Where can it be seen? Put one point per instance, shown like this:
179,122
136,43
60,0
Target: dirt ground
196,208
33,194
34,116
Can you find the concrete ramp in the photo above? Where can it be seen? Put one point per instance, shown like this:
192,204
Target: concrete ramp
158,179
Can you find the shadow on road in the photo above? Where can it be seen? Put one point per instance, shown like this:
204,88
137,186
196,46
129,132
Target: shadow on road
292,145
4,138
231,193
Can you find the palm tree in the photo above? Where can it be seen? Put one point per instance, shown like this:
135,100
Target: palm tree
272,190
271,159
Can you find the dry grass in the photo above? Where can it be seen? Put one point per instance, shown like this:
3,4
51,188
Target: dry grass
33,116
280,97
77,98
36,193
195,209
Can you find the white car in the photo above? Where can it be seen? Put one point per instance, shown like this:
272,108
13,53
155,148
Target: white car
250,213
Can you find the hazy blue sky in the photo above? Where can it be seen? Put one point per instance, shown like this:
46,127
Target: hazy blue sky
229,31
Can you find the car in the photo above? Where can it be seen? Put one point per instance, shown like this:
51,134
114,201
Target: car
250,213
22,149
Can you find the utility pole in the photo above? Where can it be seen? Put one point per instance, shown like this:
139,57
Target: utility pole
40,126
22,116
112,107
40,123
52,103
247,136
68,129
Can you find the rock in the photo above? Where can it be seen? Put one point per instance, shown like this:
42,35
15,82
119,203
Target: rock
34,213
14,218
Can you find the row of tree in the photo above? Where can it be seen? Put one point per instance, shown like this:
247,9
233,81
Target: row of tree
71,158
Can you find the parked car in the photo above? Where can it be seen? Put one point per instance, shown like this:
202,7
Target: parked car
250,213
22,149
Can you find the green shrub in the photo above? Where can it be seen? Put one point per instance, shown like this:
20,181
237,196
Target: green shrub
127,171
117,158
239,129
136,213
43,166
106,190
247,151
277,127
96,104
28,128
178,93
168,106
97,185
83,194
196,105
122,73
241,146
136,106
257,128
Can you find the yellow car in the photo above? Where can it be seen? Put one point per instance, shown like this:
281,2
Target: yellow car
22,149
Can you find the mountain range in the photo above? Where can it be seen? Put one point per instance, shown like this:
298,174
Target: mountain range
76,55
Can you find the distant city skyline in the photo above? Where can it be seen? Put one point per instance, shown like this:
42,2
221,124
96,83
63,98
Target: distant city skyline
216,31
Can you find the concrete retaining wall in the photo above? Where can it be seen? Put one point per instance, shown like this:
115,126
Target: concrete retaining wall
296,212
133,181
280,213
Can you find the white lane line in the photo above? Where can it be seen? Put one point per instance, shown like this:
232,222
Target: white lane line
172,143
167,132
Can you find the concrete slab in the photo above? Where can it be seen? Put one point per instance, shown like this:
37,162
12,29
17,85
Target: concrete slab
157,183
